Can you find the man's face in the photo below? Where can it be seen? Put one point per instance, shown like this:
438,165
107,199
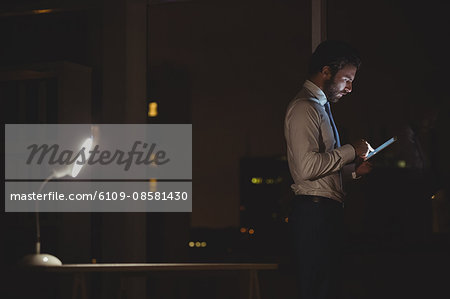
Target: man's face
340,84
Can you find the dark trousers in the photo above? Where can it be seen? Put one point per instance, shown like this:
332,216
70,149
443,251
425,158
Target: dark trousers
317,225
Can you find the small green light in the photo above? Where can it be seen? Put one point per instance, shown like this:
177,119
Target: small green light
257,180
401,163
270,181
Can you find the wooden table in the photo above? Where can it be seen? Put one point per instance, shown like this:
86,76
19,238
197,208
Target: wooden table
79,271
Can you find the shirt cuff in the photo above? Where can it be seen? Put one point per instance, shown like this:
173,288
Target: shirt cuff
354,176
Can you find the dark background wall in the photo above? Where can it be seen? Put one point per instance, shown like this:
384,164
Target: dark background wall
404,73
244,61
404,58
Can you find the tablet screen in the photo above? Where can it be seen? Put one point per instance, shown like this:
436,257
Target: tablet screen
381,147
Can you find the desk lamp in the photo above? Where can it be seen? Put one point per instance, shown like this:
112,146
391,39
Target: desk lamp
45,259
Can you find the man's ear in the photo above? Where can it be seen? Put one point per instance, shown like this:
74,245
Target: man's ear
326,73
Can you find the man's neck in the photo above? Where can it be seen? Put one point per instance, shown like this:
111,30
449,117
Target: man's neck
317,81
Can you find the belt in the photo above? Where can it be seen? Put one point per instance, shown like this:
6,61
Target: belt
319,199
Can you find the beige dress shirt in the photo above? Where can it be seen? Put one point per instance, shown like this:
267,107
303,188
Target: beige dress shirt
314,162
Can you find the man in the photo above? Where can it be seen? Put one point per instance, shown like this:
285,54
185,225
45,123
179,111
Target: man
316,160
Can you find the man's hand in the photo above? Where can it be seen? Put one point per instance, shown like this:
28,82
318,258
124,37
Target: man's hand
362,148
362,169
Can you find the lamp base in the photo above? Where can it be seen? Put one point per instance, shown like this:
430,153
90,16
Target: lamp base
39,260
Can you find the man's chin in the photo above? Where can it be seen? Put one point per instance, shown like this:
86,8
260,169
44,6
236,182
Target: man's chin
334,100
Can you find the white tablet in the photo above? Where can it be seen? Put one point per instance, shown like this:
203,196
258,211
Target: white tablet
380,148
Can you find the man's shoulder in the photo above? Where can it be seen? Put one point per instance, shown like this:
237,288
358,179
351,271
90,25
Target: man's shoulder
304,95
304,101
303,108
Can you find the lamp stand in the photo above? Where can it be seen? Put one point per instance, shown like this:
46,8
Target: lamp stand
40,259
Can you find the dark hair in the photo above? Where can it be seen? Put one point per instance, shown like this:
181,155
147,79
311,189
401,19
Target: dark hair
335,54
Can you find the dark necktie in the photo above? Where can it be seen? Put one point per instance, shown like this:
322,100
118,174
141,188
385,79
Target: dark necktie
335,131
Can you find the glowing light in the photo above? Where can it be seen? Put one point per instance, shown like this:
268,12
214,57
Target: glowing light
45,259
270,181
42,11
153,162
152,109
191,244
251,231
198,244
257,181
203,244
243,230
77,166
286,219
401,163
153,185
434,196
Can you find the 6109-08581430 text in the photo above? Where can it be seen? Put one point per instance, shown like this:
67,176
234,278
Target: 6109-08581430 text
102,196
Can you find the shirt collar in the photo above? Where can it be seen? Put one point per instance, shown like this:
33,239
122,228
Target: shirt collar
316,91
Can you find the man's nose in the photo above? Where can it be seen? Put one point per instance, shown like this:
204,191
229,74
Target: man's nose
348,87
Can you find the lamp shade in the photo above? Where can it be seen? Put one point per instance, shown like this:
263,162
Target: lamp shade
78,164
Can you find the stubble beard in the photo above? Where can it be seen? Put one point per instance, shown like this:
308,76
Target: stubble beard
330,91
